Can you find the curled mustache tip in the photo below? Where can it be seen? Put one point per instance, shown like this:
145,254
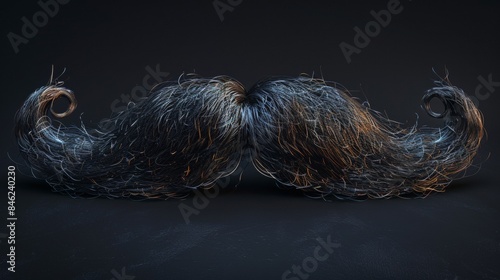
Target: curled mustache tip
51,94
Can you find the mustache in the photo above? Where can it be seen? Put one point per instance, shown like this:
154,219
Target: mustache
303,132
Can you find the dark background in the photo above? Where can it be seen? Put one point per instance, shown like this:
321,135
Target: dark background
255,230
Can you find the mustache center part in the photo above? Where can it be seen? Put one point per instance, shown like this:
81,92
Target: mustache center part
303,132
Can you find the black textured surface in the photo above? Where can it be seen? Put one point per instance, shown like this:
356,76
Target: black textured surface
256,230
